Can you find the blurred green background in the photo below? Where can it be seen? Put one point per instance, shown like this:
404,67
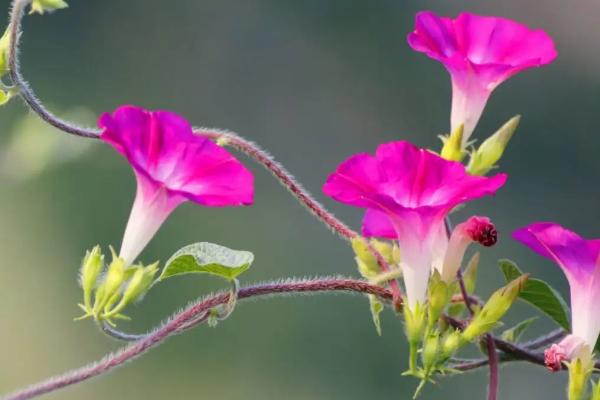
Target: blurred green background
313,81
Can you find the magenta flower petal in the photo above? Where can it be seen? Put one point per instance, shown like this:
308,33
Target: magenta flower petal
578,258
407,192
377,223
172,165
480,53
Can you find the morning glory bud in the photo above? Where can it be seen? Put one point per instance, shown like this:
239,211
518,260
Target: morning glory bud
92,265
453,147
139,283
414,323
495,308
106,293
439,295
4,49
41,6
450,344
366,261
489,153
431,351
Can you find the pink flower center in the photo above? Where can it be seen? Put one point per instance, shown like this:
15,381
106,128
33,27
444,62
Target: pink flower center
554,357
483,231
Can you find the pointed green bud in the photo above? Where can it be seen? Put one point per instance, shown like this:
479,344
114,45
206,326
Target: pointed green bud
579,373
92,265
495,308
41,6
4,50
439,295
431,352
112,283
366,261
139,283
386,249
414,323
489,153
451,342
453,148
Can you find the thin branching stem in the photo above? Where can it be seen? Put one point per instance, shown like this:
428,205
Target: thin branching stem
25,90
246,146
182,319
198,312
303,196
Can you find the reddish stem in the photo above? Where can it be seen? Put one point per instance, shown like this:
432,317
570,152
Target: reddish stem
300,193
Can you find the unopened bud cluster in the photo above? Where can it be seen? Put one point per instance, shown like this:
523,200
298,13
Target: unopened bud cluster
108,290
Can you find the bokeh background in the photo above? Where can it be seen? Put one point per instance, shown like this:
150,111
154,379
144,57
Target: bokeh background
313,81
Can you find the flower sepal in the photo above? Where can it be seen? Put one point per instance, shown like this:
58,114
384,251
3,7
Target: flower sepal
439,294
453,149
580,370
112,287
495,308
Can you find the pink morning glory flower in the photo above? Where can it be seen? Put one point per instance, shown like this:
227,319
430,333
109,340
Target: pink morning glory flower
579,260
479,53
408,192
172,165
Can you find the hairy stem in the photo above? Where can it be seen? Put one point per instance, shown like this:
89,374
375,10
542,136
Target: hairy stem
288,181
181,320
249,148
197,313
25,90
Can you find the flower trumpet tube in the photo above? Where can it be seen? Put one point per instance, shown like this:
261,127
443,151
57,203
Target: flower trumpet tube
172,165
408,192
579,260
480,53
475,229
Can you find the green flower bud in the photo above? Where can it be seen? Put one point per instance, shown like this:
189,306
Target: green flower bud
92,265
139,284
431,351
388,251
414,323
439,295
41,6
367,263
495,308
489,153
451,342
4,50
112,283
453,148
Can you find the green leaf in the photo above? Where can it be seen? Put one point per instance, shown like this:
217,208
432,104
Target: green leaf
376,309
207,258
539,294
513,334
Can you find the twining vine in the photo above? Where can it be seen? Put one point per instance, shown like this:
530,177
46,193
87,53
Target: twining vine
408,194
